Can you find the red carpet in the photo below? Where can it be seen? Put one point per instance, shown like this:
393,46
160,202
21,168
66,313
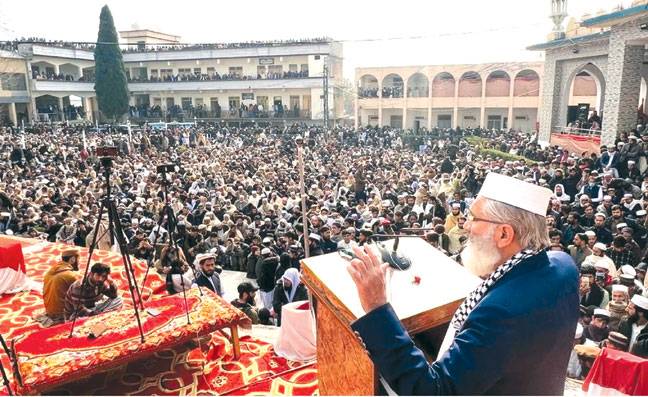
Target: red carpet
208,368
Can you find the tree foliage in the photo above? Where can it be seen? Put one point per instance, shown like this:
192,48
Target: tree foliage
110,84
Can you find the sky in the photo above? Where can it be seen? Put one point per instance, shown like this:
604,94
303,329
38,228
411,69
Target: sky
374,33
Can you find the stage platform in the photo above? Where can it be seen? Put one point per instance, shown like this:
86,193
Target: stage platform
204,366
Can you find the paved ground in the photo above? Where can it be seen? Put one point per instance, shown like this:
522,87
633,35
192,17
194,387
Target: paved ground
574,388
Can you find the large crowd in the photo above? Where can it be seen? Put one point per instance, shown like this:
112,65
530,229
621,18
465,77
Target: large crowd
236,201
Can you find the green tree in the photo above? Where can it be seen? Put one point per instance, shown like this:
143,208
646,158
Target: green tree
110,84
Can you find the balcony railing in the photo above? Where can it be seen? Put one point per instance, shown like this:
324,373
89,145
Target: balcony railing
188,115
576,131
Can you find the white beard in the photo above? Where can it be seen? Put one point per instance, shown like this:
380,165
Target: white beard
480,255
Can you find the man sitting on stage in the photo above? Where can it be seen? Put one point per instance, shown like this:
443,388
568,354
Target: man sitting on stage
513,334
84,298
207,274
56,283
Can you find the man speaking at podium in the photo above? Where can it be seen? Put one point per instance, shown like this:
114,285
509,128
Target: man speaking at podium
513,334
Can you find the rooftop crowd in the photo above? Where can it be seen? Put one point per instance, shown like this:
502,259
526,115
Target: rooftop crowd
13,44
236,200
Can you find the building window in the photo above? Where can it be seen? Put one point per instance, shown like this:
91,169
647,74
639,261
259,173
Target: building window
211,70
184,71
275,71
292,68
141,45
13,82
164,73
186,103
236,71
444,121
317,57
262,71
304,69
234,103
494,122
154,73
262,102
197,71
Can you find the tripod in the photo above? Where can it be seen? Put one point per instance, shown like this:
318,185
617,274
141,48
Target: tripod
167,212
10,353
115,231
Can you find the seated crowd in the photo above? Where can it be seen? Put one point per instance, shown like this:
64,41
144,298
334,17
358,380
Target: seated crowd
236,201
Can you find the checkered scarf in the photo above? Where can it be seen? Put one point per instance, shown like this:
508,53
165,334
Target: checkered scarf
476,296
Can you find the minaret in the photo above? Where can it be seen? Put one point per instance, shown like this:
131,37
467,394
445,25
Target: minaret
558,15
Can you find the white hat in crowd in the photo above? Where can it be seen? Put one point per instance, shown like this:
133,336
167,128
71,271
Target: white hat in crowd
640,301
600,246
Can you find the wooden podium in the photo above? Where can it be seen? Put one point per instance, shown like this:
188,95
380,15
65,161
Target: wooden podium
425,309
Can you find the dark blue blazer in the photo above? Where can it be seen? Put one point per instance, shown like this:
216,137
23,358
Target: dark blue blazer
516,341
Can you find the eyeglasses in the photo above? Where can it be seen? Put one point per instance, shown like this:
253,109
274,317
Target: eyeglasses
470,217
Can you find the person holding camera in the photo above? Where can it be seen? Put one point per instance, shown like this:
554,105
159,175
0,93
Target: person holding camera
173,264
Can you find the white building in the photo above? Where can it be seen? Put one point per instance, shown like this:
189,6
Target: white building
274,81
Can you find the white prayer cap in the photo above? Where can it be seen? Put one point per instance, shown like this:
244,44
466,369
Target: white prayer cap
314,236
628,195
641,213
456,205
202,257
583,196
601,214
601,313
590,233
621,225
266,251
579,331
619,288
640,301
600,246
629,270
511,191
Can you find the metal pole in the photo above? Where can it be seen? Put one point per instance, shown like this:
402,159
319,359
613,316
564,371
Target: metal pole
23,133
326,95
300,159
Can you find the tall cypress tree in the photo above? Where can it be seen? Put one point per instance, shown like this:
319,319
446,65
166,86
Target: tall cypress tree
110,84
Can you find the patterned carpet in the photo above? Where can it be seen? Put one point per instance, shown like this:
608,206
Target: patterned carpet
204,366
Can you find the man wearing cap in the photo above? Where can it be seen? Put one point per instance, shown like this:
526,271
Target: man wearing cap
347,239
598,330
327,244
602,233
265,276
453,217
207,275
246,301
57,281
598,259
634,327
617,305
520,320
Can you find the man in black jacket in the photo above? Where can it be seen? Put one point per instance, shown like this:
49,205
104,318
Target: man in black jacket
266,276
592,294
208,276
634,326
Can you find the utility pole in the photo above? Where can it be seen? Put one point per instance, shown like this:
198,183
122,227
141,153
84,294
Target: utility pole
325,76
302,191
